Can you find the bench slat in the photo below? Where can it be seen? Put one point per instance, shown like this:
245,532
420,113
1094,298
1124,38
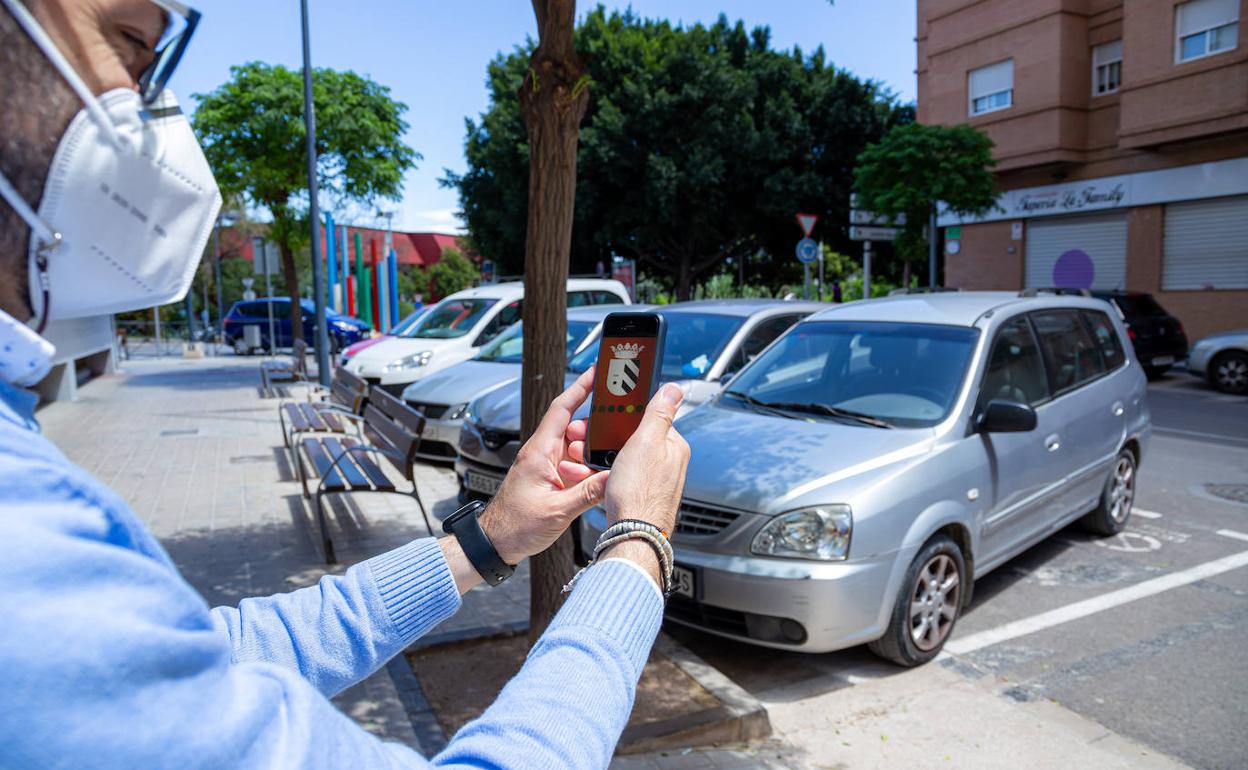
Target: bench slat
376,475
323,463
348,464
313,417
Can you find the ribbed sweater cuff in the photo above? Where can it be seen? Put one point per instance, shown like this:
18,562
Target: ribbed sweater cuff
416,587
619,602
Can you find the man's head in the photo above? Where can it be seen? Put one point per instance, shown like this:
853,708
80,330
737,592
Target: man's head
109,43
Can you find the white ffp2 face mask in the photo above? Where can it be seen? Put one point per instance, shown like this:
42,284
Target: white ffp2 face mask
127,207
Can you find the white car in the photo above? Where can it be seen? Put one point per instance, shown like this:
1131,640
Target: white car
456,328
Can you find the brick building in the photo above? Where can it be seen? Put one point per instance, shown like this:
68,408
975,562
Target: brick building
412,249
1121,131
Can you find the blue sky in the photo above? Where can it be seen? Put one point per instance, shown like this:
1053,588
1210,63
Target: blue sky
433,56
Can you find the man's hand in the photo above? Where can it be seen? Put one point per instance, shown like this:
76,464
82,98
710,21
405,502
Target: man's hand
549,485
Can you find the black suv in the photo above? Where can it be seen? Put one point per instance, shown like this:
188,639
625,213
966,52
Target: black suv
1157,336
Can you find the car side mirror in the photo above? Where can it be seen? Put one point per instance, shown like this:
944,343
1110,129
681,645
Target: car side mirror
1005,416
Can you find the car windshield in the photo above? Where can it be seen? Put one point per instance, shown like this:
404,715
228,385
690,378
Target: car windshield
402,327
904,375
694,342
508,347
450,318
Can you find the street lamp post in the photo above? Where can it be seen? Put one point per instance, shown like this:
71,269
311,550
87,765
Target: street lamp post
314,214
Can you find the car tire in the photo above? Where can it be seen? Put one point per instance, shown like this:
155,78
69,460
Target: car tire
1112,512
1155,372
926,596
1228,372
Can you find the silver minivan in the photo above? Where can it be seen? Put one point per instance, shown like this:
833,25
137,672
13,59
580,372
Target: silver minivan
850,484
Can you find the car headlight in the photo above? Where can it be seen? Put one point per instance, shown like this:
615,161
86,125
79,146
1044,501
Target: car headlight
472,413
456,412
343,326
819,532
414,361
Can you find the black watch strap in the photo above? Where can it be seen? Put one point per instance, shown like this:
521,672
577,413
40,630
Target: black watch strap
479,549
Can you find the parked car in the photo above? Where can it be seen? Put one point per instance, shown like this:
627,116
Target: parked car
1157,336
397,330
456,329
707,343
343,330
853,481
1222,358
443,396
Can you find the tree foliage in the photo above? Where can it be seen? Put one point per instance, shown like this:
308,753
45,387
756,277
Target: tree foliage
698,146
254,138
914,166
453,272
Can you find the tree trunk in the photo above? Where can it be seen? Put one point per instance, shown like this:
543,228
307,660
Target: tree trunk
292,290
553,98
684,279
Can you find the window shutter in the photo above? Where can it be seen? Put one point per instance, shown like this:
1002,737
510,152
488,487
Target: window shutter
1206,244
1198,15
993,78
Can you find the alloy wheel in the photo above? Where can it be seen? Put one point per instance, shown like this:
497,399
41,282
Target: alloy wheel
934,602
1123,490
1232,374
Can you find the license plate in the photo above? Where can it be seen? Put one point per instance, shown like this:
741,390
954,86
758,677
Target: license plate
1162,360
682,582
479,482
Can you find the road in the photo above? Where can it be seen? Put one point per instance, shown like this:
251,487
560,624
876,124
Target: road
1145,633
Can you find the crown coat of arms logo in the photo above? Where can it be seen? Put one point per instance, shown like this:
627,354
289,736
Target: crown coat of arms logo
623,370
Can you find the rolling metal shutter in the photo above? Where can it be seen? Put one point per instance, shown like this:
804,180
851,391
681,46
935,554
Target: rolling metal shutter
1206,245
1085,252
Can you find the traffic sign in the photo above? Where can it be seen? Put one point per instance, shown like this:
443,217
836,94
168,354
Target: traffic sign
807,251
807,221
872,233
860,217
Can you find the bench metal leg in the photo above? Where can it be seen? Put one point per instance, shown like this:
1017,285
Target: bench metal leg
300,469
423,512
281,418
326,543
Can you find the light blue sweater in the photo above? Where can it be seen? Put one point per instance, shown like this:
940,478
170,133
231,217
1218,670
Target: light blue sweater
108,658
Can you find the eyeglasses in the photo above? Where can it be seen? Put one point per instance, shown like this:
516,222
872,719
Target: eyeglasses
183,21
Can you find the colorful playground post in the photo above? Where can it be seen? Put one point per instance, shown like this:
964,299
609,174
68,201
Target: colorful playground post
345,272
383,296
331,265
348,288
393,261
363,302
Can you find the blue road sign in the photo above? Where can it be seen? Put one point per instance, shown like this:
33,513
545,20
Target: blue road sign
807,251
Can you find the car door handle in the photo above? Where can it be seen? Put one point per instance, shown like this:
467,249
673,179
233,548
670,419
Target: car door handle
1053,443
1118,409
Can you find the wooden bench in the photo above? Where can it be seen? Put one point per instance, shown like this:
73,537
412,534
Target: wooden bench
345,465
295,370
346,396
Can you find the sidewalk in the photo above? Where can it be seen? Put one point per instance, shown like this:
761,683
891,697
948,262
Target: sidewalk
198,454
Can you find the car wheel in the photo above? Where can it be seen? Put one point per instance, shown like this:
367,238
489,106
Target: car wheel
1110,516
1155,372
240,347
1229,372
927,607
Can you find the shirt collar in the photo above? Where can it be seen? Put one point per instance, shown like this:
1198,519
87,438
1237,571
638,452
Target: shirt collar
25,357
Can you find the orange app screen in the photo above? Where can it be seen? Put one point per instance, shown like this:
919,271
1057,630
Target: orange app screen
621,390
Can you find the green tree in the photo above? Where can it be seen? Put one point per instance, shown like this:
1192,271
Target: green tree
453,272
916,166
254,141
699,145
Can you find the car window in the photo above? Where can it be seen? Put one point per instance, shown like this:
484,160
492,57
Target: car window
453,318
580,299
1106,339
508,347
1015,369
1071,356
506,317
757,340
607,298
1139,306
906,374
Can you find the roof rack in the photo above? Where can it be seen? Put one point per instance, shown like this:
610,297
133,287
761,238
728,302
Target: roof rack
1058,290
923,290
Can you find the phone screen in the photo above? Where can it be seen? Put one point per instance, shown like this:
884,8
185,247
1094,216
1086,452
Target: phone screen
627,356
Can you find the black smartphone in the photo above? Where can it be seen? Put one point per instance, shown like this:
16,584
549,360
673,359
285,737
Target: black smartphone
630,358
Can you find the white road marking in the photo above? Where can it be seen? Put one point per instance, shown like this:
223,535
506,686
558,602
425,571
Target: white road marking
1200,434
1098,603
1233,533
1143,514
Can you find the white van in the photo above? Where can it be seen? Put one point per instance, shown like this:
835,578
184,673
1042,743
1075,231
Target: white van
456,328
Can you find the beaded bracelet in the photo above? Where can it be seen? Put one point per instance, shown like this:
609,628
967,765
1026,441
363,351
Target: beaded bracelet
635,529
